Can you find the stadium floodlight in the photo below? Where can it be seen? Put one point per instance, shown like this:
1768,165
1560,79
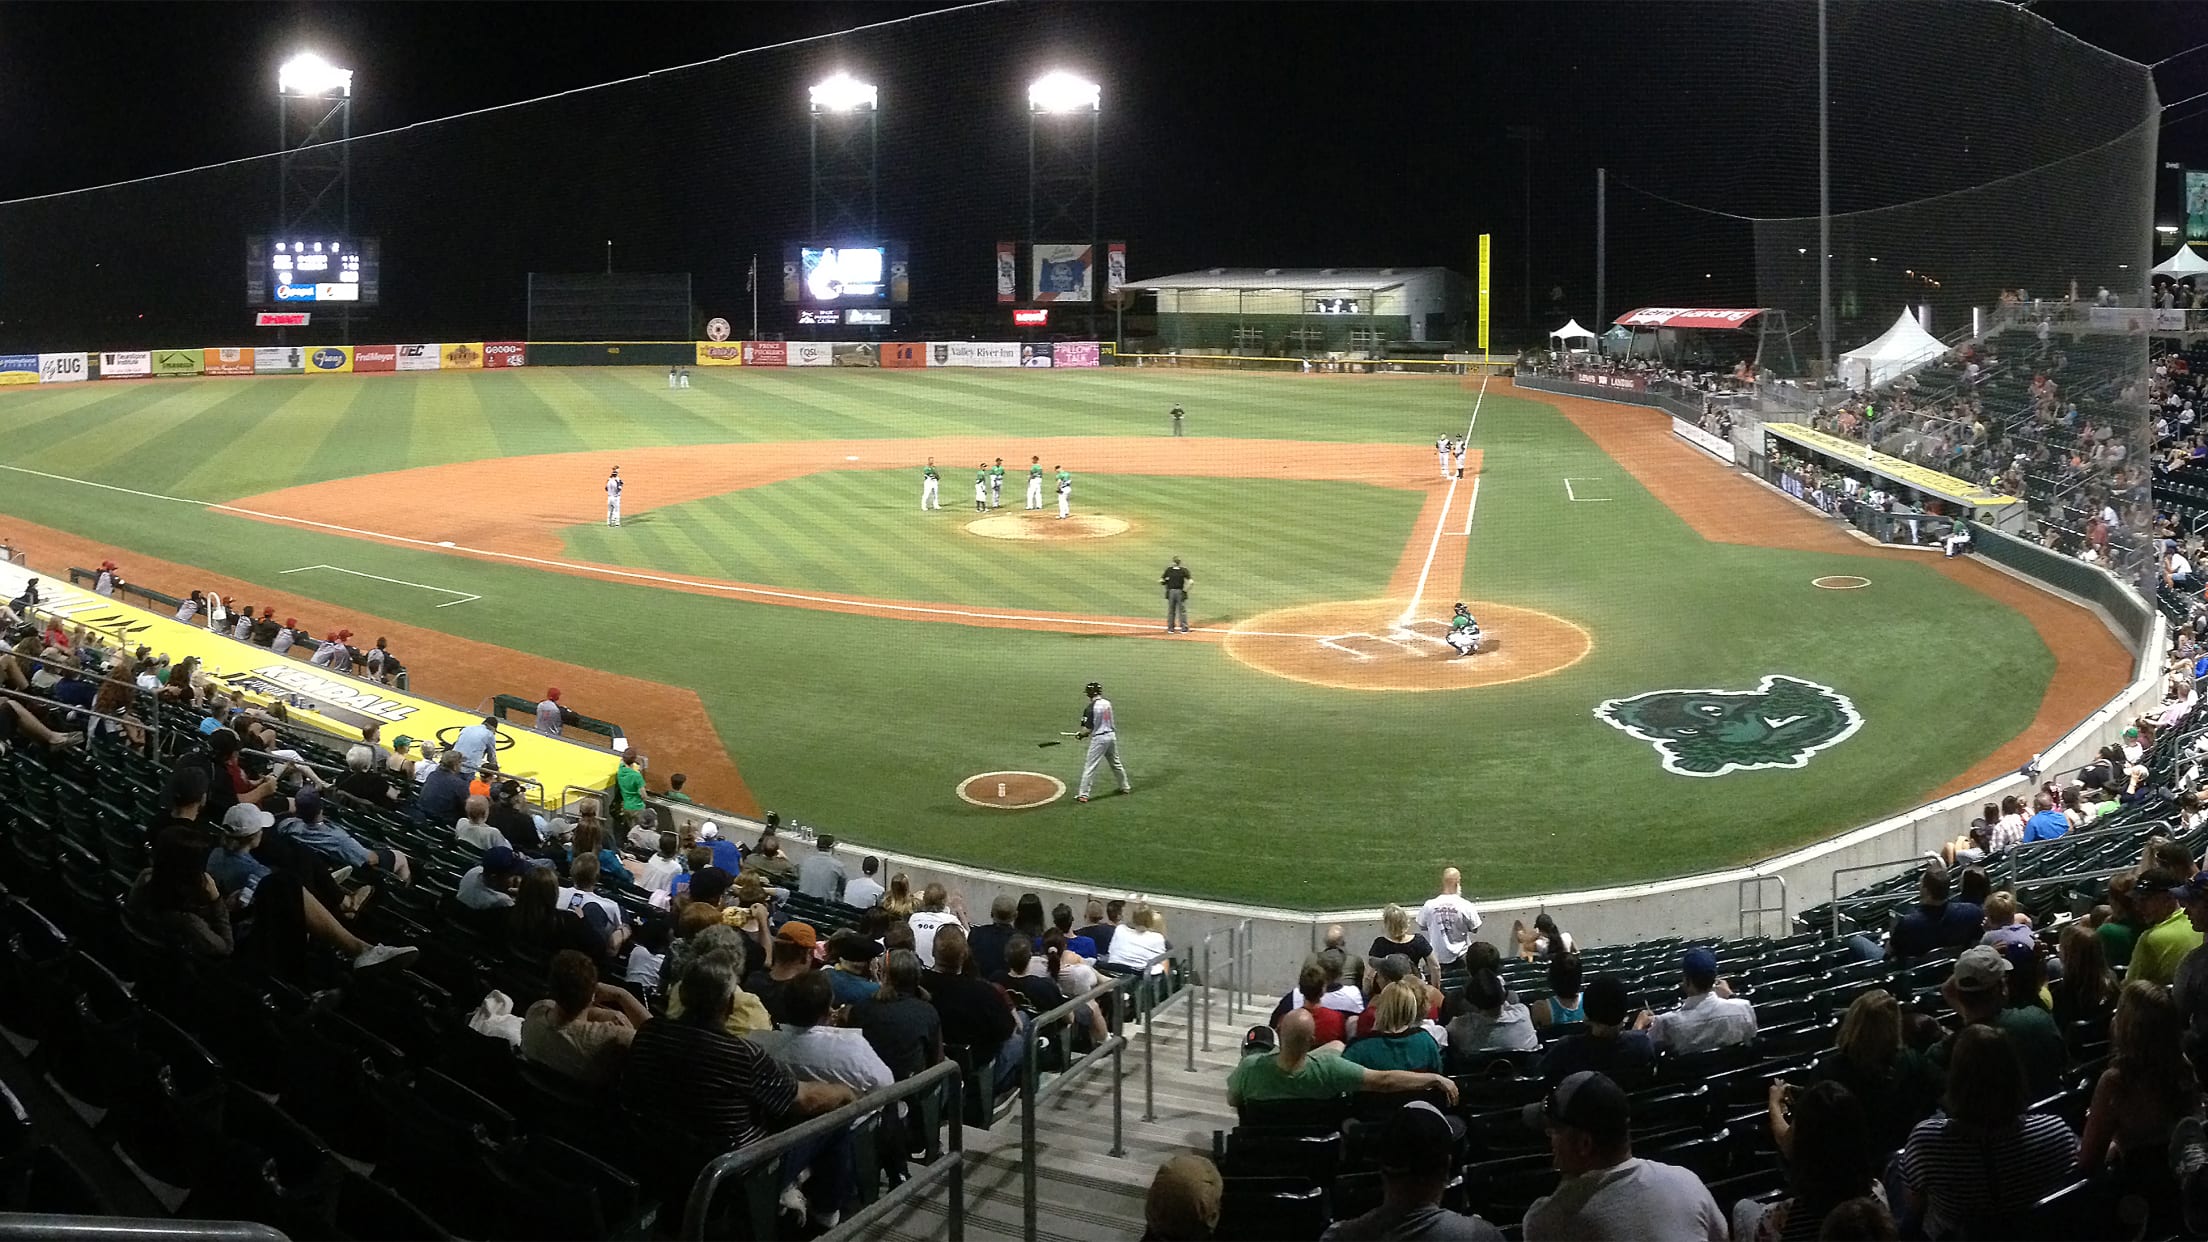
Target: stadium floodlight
309,76
2165,228
841,92
1059,91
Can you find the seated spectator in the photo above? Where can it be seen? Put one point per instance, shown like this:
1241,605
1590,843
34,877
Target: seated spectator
1350,966
648,953
2004,927
362,780
1416,1151
851,967
539,920
1893,1084
1183,1201
1100,929
899,1023
821,876
1061,921
656,873
1493,1020
306,826
1297,1072
897,899
176,902
511,818
444,793
789,959
2047,822
725,854
2168,933
1137,944
1563,1003
768,862
866,891
1979,992
973,1012
1342,994
1399,1040
2086,992
815,1050
746,1015
1022,981
581,896
474,828
2117,923
987,941
2146,1089
1379,974
1329,1023
1933,924
732,1089
1605,1192
1826,1142
1399,934
588,841
932,916
1541,939
1709,1015
583,1029
491,884
1972,846
1945,1164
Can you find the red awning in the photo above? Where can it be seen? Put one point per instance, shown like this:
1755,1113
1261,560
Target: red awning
1687,317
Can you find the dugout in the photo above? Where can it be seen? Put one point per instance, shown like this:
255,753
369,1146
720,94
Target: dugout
1279,312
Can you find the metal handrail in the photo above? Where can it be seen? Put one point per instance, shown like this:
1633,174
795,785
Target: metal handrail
1033,1091
53,1227
1234,933
951,1168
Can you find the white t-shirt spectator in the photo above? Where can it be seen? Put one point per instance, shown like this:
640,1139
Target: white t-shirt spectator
1705,1021
644,966
1133,948
826,1054
1633,1199
864,892
925,923
577,900
481,836
654,874
1448,921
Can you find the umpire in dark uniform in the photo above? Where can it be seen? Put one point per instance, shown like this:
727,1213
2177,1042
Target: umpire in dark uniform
1175,578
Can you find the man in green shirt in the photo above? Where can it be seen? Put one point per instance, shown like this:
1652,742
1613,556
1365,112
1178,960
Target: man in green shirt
630,782
674,788
981,488
930,481
1034,482
1979,991
2169,935
1295,1072
996,485
1065,493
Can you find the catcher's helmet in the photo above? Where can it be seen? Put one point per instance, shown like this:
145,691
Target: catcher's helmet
1094,687
1462,608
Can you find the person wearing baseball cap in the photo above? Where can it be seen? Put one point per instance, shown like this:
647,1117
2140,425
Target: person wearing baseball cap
285,636
490,884
725,853
1417,1149
1709,1015
1605,1191
2168,934
851,967
1978,989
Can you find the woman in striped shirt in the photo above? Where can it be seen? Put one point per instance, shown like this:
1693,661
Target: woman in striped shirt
1981,1163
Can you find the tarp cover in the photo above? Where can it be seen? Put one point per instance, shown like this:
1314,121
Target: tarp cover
1898,350
1688,317
1572,332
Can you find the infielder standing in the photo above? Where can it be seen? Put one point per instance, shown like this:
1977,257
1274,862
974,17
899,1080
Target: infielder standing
1034,482
996,485
1178,415
1065,493
1441,450
1096,725
981,488
930,482
1175,579
613,497
1459,450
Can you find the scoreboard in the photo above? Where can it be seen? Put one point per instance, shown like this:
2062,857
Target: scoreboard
307,270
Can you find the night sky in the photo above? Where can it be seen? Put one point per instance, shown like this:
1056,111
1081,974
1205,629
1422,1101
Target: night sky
1236,135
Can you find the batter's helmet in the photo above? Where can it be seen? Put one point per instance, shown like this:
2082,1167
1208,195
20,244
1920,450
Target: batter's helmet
1094,687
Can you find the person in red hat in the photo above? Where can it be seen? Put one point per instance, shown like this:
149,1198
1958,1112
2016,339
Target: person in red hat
550,715
285,637
107,581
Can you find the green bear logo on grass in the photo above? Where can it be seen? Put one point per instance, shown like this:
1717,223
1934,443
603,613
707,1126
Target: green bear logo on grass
1779,724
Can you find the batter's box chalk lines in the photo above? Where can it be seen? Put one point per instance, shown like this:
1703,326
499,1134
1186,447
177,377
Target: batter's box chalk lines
1575,496
464,597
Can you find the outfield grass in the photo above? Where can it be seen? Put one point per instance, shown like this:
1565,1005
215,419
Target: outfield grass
1250,787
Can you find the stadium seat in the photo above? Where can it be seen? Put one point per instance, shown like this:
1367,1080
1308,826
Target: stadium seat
1270,1209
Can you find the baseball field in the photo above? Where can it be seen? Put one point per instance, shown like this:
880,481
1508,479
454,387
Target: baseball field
1681,668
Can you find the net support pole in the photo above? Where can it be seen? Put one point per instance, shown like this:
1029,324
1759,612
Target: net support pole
1824,204
1602,239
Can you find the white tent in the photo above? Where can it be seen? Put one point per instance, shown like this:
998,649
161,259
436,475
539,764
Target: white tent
2186,262
1900,349
1572,332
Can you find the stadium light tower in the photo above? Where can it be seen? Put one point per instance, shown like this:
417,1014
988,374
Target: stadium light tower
1061,160
314,161
846,115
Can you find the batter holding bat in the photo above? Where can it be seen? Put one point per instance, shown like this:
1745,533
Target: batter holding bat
1096,725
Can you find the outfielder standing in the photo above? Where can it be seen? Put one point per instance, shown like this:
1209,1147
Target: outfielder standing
1175,578
1096,725
930,483
1034,482
996,485
613,497
1065,493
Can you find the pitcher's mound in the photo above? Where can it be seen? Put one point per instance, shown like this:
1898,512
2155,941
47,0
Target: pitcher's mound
1011,791
1359,645
1045,525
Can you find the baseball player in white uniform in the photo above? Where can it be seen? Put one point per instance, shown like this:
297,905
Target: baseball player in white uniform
613,497
1096,725
1034,482
1464,632
930,484
1441,450
1065,493
1458,449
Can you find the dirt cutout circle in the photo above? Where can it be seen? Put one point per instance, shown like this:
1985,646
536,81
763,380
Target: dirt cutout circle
1011,791
1046,525
1841,582
1357,645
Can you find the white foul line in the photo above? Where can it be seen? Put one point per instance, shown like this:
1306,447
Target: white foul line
1441,522
1585,500
1471,505
465,598
603,572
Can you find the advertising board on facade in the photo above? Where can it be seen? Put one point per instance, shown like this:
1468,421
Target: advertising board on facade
126,364
766,353
279,359
504,355
330,360
973,354
416,358
375,358
63,369
227,360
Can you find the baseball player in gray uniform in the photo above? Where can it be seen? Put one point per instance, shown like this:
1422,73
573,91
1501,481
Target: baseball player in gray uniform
1096,725
613,497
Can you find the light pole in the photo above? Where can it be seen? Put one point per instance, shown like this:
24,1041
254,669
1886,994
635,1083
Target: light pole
1059,181
844,111
314,164
1526,135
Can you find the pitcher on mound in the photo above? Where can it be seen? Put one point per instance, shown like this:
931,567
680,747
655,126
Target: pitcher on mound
1096,726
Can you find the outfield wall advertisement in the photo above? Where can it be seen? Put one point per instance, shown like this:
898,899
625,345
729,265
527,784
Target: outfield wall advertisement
973,354
766,354
720,354
330,360
504,355
126,364
228,360
176,361
811,354
335,704
460,356
417,357
18,368
1715,446
1077,354
63,369
375,358
279,359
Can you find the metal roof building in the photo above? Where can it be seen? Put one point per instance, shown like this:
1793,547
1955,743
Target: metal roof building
1309,310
